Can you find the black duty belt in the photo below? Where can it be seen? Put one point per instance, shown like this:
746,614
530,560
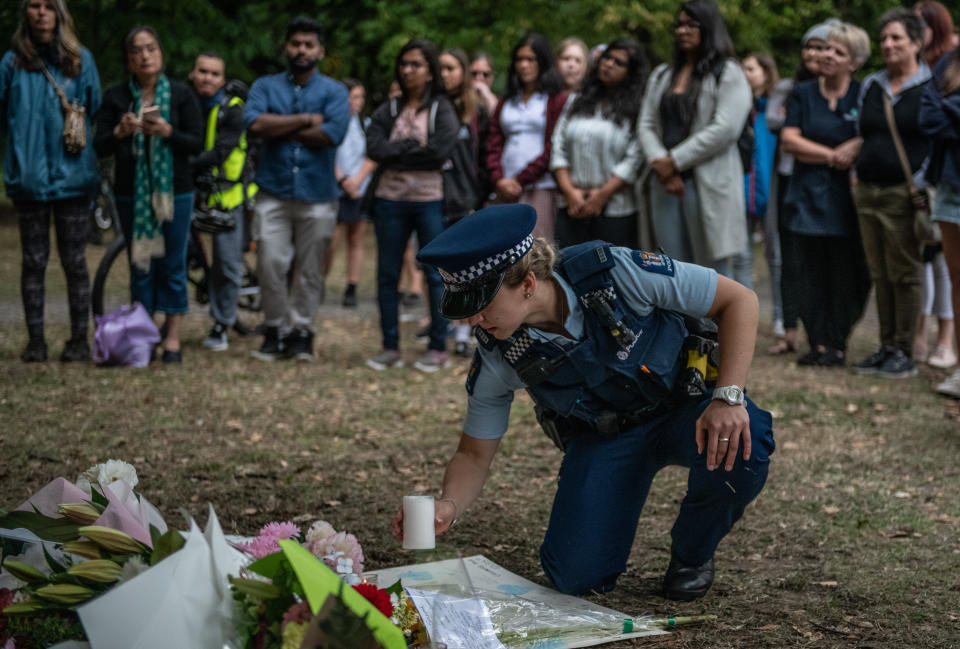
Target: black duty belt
606,425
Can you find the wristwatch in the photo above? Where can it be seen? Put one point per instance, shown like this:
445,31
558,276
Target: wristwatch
732,394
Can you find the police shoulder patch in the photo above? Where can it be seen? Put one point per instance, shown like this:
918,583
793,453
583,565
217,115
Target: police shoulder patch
474,371
654,262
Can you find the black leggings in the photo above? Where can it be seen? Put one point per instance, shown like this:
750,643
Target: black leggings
618,230
71,217
791,267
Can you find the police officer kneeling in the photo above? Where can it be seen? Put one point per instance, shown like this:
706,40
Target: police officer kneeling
598,339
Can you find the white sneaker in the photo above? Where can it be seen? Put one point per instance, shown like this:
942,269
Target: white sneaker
942,358
951,386
217,340
385,360
432,361
778,330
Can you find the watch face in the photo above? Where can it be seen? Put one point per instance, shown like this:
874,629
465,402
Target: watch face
732,395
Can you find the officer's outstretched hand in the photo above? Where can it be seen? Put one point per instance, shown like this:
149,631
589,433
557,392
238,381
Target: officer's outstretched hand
722,429
445,513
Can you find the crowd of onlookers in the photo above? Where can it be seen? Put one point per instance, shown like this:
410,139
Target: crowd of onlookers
701,157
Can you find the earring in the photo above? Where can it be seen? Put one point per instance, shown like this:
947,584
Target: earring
527,296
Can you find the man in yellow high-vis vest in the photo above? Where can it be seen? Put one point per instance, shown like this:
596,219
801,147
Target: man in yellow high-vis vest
221,167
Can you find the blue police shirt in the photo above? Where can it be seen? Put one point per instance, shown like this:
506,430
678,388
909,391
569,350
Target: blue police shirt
288,169
691,290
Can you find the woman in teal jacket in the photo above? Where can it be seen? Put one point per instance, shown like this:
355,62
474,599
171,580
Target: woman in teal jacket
40,175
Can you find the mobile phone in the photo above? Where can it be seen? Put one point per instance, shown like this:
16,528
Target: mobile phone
151,112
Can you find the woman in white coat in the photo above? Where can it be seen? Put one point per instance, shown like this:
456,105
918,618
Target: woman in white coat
693,113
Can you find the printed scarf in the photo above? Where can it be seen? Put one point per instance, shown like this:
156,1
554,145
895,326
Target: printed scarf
153,181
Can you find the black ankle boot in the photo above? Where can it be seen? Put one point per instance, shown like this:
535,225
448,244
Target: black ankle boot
75,350
686,583
35,351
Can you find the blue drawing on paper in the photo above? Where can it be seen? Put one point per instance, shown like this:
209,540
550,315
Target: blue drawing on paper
415,575
513,589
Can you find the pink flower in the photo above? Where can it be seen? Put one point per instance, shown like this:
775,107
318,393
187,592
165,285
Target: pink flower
280,531
298,613
269,540
319,531
342,542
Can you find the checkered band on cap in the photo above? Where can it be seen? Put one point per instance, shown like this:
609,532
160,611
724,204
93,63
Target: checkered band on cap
484,266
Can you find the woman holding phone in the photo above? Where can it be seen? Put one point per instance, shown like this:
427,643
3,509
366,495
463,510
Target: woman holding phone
151,125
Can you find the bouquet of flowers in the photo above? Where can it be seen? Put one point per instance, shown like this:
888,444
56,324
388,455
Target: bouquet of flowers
310,590
70,543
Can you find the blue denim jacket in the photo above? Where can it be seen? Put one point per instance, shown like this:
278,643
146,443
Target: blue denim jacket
36,167
288,169
940,119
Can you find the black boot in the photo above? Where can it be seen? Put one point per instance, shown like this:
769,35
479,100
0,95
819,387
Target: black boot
686,583
76,350
272,347
35,351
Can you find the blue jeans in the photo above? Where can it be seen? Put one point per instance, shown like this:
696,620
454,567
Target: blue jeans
603,484
393,222
164,287
226,272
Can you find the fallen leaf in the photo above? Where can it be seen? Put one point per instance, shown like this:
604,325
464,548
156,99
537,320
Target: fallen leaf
826,584
791,446
901,494
831,509
250,511
769,627
333,503
946,518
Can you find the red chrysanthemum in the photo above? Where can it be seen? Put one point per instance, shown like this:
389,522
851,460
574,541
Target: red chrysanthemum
376,596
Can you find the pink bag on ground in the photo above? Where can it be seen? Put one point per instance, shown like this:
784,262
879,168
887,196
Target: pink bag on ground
125,337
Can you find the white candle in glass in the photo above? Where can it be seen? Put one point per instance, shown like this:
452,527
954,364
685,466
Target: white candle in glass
418,514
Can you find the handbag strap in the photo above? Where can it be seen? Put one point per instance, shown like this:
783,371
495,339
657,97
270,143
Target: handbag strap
897,142
64,102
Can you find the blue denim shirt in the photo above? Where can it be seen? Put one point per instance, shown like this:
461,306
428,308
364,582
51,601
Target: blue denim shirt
288,169
35,165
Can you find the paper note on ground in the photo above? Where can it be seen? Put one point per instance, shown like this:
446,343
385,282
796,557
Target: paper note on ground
458,622
528,615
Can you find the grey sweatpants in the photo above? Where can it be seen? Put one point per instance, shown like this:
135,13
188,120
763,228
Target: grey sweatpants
292,234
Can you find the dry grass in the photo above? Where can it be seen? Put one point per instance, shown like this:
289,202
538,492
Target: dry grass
854,543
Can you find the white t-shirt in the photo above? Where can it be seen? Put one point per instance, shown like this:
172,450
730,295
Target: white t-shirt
524,126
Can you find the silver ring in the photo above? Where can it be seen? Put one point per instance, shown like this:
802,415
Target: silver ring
724,439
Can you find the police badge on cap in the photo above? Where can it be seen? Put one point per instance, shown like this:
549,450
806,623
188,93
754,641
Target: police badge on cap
473,255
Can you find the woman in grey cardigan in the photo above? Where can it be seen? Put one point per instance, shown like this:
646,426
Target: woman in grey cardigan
693,113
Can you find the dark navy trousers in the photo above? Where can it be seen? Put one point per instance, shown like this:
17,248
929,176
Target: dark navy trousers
603,485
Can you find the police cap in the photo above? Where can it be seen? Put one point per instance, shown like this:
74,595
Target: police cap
473,255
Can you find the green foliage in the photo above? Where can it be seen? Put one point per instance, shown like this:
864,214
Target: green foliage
363,36
165,545
48,529
44,630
